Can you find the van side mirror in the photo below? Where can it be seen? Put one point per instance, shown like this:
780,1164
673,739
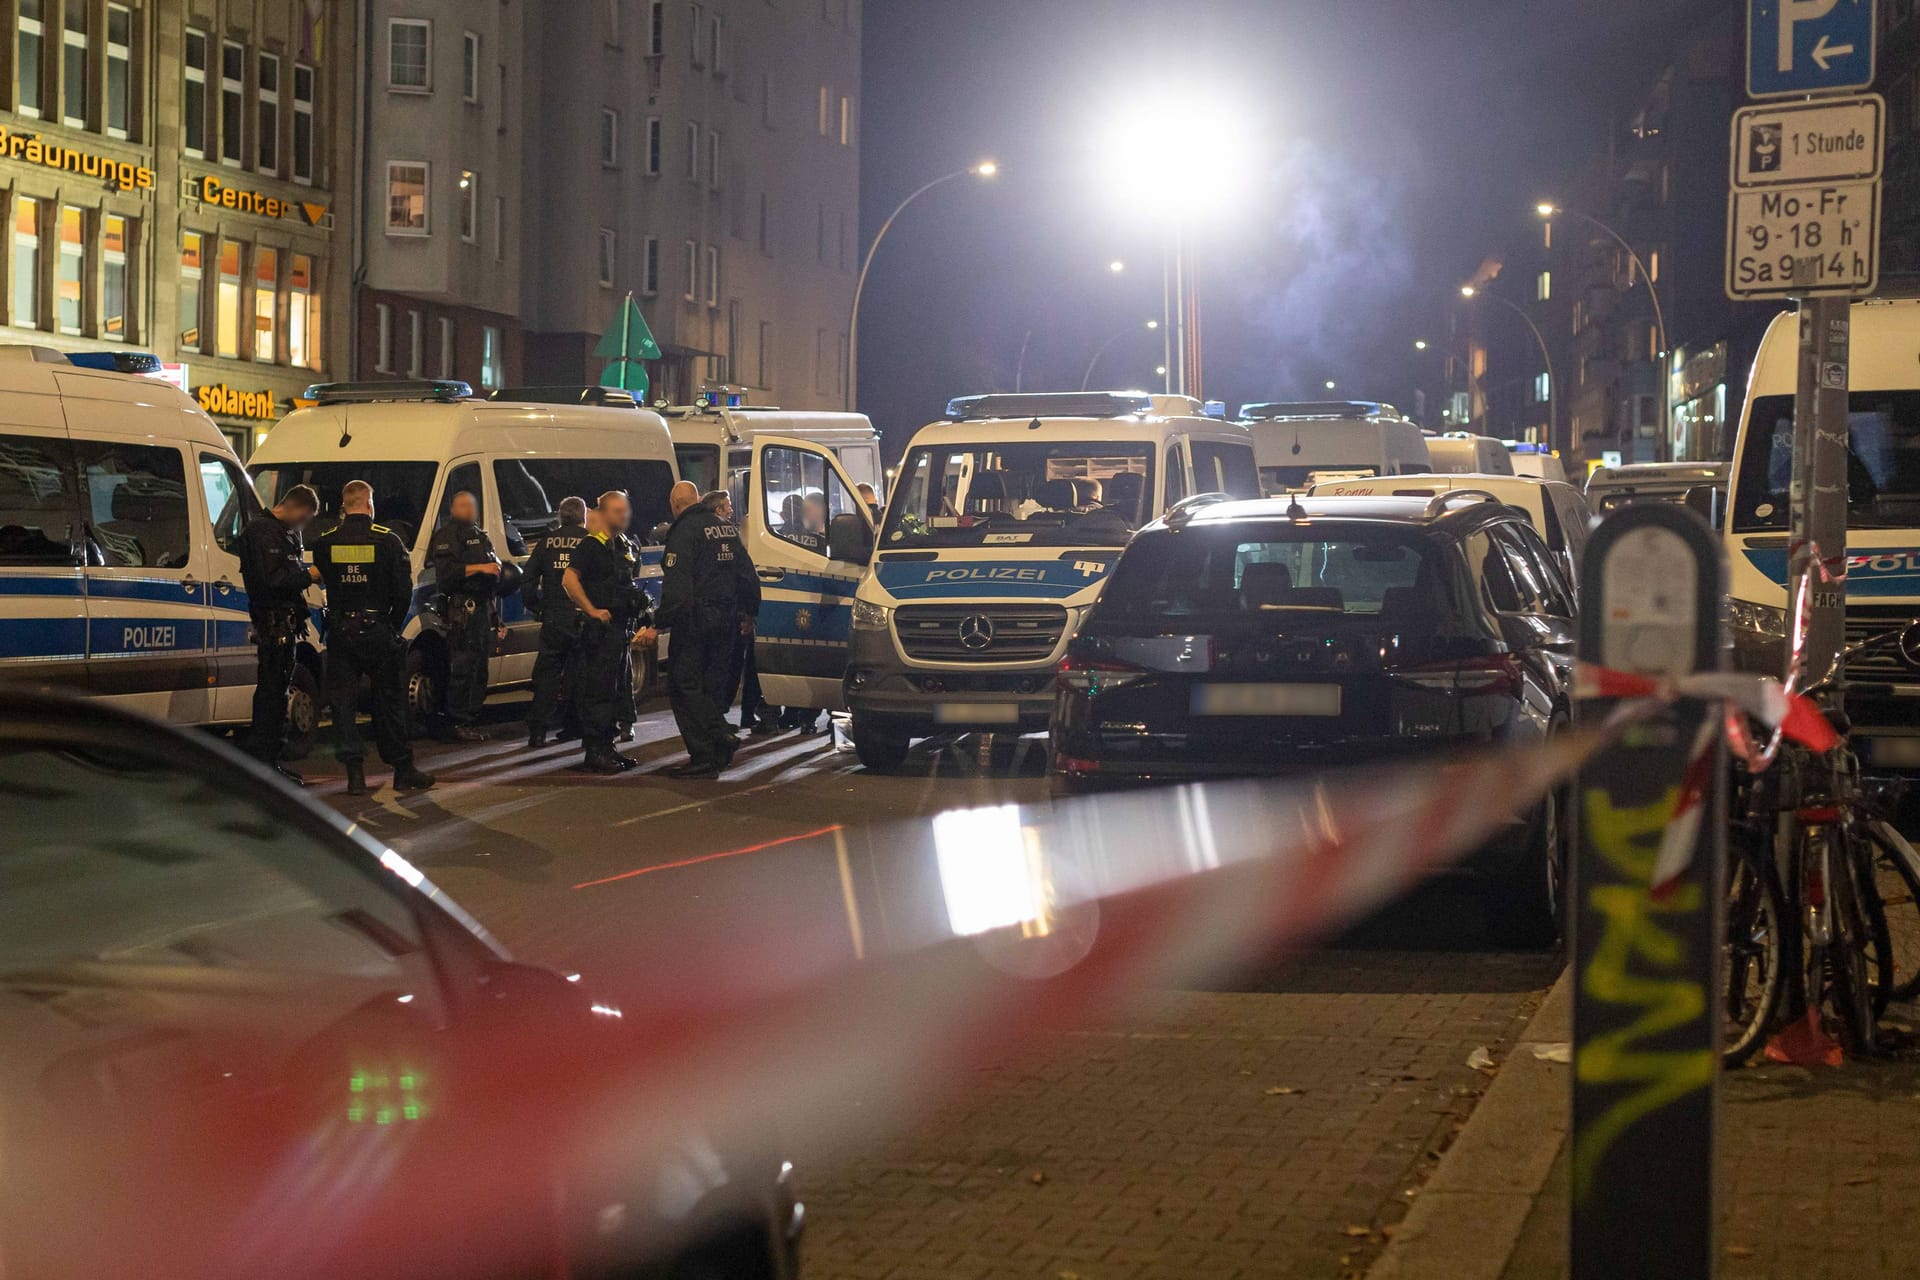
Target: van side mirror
1707,502
850,539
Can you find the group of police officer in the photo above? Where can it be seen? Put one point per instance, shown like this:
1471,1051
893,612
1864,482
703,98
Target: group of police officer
582,583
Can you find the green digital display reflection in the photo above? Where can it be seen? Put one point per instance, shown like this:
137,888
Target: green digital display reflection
386,1097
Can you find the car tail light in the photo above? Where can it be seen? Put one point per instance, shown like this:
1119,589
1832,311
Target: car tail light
1495,675
1093,676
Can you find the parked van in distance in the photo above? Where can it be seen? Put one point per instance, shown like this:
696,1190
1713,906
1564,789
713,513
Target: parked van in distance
713,442
1299,443
419,443
1535,460
1461,453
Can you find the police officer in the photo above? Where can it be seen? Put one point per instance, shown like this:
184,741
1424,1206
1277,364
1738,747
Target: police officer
467,571
546,597
369,580
711,595
603,584
276,578
626,710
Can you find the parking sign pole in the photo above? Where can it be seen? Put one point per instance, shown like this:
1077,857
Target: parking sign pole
1819,488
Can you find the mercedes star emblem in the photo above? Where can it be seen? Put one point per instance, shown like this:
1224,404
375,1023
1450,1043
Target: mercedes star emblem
976,631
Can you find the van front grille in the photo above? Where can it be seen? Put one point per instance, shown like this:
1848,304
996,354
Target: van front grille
977,633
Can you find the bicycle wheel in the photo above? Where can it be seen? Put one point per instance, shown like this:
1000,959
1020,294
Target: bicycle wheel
1846,959
1754,970
1896,877
1876,937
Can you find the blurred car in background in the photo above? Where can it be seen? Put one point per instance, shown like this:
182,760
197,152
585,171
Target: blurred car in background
1611,487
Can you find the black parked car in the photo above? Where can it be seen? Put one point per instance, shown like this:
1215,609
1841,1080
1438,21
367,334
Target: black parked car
1286,637
240,1038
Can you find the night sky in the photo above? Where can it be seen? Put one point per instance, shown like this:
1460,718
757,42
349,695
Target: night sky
1395,143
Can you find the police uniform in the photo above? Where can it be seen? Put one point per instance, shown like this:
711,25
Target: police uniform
608,571
276,579
466,604
369,580
546,596
710,588
626,707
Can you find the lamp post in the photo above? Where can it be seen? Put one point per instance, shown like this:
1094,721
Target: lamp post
1468,292
1094,363
985,169
1116,268
1547,211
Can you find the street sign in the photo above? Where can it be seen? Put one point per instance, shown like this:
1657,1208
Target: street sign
1808,241
1797,47
1794,144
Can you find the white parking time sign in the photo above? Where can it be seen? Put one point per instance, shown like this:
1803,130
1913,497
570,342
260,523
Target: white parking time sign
1804,241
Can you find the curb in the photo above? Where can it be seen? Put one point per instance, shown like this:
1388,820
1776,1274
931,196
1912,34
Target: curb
1467,1220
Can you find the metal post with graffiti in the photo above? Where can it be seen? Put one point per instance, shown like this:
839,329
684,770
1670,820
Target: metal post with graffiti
1646,943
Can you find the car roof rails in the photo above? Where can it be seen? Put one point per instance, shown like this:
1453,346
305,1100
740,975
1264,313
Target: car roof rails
440,391
1184,510
606,397
1437,506
1050,404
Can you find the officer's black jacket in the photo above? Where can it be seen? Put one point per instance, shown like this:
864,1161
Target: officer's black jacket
455,547
271,567
709,576
365,567
608,566
543,587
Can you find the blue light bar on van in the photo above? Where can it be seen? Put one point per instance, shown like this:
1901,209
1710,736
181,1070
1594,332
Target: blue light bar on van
1214,409
1052,404
1317,409
1526,446
606,397
445,391
116,361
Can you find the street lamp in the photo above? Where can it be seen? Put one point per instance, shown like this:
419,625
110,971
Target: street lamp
1332,385
1094,363
1419,344
1548,210
985,170
1468,292
1116,267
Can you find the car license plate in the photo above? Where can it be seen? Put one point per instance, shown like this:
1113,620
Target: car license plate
1897,753
1266,700
976,713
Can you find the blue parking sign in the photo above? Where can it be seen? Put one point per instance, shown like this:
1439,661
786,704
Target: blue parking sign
1809,46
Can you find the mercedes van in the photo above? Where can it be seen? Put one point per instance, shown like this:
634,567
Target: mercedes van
1462,453
1299,444
1004,522
1883,519
713,443
420,443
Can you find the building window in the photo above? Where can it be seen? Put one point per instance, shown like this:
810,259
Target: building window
713,159
656,28
26,263
846,121
716,31
69,311
303,313
765,355
416,344
113,278
692,293
1546,238
606,257
820,371
693,151
766,226
409,55
470,67
383,337
609,137
820,234
192,295
469,206
446,346
227,302
303,87
713,275
1543,287
266,305
613,23
693,36
826,106
499,229
492,368
119,69
653,145
1542,388
766,98
73,101
500,96
31,51
269,100
844,240
407,198
1653,267
193,98
233,90
650,265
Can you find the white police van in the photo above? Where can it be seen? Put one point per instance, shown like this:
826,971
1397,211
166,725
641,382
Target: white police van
1883,518
120,503
713,441
1302,443
1004,523
519,453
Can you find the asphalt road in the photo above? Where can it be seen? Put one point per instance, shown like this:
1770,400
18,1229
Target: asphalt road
1274,1126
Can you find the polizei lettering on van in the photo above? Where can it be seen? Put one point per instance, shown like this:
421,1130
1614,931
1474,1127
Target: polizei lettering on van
987,574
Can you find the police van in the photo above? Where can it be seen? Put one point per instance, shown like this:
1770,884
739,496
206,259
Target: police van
1883,519
1302,443
713,441
1003,524
120,505
520,453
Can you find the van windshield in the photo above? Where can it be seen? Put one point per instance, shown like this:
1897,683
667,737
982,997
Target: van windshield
1068,493
400,489
1883,462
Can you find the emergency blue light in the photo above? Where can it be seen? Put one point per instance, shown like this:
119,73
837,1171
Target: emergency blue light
1214,409
116,361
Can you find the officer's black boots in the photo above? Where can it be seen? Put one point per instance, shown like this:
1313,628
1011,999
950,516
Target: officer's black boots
356,778
467,733
536,739
608,764
411,779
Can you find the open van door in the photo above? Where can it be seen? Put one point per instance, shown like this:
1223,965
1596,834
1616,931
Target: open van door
793,493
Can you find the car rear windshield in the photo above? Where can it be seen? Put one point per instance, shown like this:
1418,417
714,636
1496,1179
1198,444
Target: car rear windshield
1883,462
400,489
1395,575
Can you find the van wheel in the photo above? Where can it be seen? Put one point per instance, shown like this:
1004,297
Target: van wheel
303,714
881,749
424,685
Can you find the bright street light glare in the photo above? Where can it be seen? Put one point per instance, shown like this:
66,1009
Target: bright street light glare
1153,324
1467,291
1419,344
986,169
1207,130
1330,384
1116,266
1545,210
1160,371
